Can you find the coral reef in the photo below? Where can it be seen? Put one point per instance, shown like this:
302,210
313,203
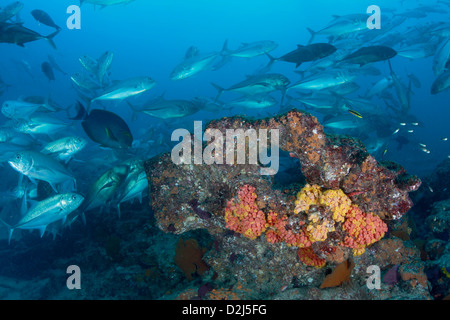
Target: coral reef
266,236
332,162
438,221
226,232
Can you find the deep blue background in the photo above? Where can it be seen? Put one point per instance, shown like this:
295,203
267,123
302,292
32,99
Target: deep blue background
151,37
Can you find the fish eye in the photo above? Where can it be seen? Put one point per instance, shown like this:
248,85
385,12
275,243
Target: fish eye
74,197
18,156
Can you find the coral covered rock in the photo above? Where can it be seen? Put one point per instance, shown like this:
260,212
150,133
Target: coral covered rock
332,162
269,235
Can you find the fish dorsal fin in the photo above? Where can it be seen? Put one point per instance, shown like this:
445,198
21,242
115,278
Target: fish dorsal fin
191,52
33,204
161,97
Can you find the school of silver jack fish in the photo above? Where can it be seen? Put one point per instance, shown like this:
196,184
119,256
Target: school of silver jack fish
52,160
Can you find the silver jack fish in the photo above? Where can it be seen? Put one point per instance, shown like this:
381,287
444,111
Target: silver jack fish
65,148
195,63
127,88
36,165
104,189
46,212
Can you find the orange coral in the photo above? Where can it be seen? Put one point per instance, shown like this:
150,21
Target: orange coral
326,208
363,230
245,217
188,257
274,225
278,230
308,257
236,292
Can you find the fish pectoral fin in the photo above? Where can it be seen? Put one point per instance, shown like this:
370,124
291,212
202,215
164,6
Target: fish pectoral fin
53,187
42,230
107,185
33,181
24,206
127,134
10,230
110,134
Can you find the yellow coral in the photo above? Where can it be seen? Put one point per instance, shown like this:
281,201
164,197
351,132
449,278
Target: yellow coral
338,202
358,252
319,231
307,197
334,203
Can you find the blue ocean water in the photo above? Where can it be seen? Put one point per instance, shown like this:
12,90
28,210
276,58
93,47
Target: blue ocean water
150,38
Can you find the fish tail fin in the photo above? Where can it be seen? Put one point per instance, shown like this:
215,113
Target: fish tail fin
89,104
81,112
283,95
219,91
134,114
50,38
271,61
313,34
271,58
